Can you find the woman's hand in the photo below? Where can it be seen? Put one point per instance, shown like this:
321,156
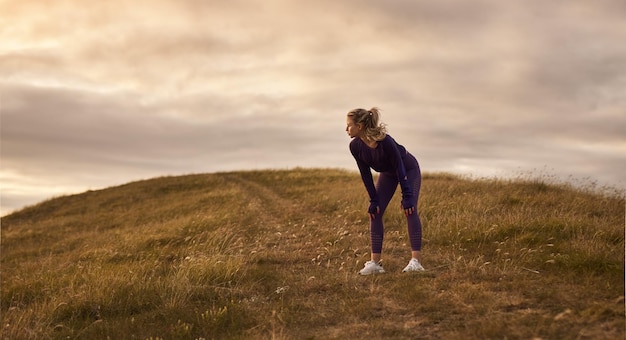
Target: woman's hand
408,206
373,210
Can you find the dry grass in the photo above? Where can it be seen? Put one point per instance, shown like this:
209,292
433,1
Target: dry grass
274,254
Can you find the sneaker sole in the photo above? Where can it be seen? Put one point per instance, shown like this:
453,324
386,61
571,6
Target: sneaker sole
414,271
373,273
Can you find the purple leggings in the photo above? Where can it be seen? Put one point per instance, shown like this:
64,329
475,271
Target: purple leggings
386,187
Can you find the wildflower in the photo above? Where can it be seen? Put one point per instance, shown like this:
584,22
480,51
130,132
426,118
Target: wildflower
281,290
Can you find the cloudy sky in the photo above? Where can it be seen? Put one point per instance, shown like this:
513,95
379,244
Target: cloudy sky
100,93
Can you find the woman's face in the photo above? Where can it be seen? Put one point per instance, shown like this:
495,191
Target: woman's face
353,130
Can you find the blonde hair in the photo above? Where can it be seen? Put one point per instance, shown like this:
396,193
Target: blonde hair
370,119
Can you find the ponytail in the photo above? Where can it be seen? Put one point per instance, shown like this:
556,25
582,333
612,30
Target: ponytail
370,119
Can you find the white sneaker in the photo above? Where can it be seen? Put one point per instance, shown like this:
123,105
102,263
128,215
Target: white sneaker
372,267
413,266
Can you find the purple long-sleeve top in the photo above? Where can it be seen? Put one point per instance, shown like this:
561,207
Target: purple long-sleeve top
388,156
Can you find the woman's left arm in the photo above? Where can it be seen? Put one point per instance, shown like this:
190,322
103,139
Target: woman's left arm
391,148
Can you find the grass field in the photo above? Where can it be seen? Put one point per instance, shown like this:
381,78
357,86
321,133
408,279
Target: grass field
274,254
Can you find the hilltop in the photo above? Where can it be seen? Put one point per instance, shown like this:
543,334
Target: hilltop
274,254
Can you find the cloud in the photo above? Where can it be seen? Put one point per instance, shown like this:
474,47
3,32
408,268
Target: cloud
74,139
101,93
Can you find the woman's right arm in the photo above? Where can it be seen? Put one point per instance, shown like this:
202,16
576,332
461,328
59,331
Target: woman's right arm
368,181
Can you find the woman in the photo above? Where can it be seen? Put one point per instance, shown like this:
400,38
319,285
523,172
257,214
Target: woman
373,148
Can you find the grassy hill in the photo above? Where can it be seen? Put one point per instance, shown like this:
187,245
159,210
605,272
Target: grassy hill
274,254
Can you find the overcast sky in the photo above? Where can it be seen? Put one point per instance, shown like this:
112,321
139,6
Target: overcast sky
100,93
